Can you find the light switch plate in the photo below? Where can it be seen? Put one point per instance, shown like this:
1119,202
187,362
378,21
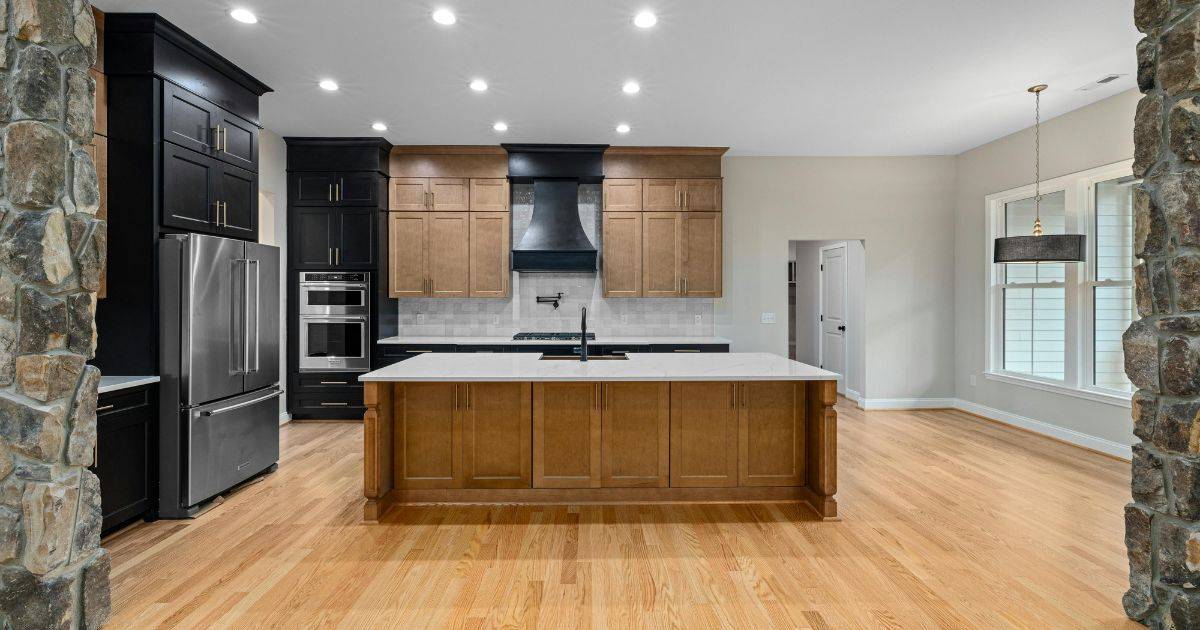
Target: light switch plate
624,318
767,318
420,318
699,320
972,380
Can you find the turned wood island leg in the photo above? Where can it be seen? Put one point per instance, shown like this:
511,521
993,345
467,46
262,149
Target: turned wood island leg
377,447
821,474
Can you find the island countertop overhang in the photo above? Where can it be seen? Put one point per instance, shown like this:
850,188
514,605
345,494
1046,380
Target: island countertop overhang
518,367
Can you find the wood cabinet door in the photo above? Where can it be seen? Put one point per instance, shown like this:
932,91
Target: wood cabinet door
622,258
771,433
660,195
189,183
408,244
356,189
701,254
635,435
489,195
490,234
312,189
622,195
428,448
449,254
497,435
237,191
701,195
450,194
408,193
704,435
355,238
566,435
661,254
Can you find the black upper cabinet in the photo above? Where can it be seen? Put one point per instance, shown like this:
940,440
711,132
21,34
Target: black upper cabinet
335,188
239,141
196,124
333,238
188,187
237,194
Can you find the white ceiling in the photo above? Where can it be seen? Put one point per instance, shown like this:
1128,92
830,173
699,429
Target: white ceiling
764,77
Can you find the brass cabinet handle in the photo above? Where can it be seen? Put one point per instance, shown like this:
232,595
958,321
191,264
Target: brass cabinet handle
333,382
685,198
337,191
337,256
329,196
105,408
466,396
217,209
685,350
334,404
329,256
420,351
225,212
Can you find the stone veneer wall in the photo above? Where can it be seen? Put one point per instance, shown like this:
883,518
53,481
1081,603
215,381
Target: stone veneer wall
1162,349
53,573
521,312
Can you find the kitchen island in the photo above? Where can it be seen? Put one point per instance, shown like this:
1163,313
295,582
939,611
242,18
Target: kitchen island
520,428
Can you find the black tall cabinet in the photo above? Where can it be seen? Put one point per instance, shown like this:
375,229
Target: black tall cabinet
337,221
182,157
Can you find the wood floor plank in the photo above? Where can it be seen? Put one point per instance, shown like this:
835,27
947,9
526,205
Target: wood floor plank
948,521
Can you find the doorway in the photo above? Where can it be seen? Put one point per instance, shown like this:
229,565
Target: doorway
826,309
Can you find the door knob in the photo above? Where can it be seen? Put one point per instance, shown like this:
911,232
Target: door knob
842,328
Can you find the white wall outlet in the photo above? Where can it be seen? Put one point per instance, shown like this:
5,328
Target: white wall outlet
495,320
420,318
624,318
972,380
699,320
767,318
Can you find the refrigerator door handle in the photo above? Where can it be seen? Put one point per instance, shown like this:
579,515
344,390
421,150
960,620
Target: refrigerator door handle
246,318
216,412
238,306
257,314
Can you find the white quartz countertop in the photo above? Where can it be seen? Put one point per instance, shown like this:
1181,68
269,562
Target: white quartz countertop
500,367
114,383
508,341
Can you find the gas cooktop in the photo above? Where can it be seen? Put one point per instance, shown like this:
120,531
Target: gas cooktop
550,336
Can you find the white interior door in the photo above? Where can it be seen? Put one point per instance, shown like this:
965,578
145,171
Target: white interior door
832,315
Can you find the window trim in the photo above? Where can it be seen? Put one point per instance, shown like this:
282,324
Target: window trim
1079,193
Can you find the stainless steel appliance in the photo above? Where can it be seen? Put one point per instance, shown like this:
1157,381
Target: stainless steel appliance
335,322
219,359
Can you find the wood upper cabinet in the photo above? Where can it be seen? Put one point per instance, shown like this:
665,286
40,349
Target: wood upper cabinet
704,435
428,449
635,435
622,195
661,195
497,435
489,195
408,245
408,193
450,194
566,435
489,251
701,263
701,195
661,253
771,433
448,254
622,258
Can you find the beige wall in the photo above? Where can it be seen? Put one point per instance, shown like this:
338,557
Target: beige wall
272,226
1093,136
902,207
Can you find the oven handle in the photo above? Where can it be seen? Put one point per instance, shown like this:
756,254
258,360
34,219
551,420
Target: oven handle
325,286
336,318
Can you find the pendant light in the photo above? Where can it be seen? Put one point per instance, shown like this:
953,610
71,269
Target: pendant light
1039,247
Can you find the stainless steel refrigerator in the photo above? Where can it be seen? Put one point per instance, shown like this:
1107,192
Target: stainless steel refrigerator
219,360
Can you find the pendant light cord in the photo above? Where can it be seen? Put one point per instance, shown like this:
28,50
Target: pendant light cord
1037,163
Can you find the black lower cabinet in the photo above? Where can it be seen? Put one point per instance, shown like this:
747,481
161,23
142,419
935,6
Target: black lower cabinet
326,396
387,354
125,461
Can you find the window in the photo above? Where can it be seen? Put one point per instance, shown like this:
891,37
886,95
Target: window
1058,326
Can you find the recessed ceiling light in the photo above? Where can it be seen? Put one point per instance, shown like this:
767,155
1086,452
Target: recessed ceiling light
445,17
500,126
379,126
645,19
622,128
328,84
244,16
631,87
479,85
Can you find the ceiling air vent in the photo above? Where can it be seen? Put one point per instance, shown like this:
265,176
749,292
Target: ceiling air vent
1105,80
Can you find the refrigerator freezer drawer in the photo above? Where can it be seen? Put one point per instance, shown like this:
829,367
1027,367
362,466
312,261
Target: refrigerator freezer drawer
231,441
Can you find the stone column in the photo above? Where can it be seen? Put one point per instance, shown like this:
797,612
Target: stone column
1162,349
53,573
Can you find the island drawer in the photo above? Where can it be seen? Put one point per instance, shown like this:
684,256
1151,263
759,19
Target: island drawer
325,381
481,349
345,403
690,347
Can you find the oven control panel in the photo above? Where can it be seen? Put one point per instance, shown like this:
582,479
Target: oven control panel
323,276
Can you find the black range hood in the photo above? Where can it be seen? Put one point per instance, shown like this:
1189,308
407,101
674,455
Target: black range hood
555,240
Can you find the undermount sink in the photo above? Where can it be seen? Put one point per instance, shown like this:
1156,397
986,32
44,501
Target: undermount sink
567,357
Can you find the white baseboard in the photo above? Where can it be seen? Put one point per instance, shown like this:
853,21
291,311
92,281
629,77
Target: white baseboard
878,404
854,396
284,418
1116,449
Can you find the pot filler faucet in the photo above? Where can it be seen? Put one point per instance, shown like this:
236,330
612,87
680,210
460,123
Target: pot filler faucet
583,334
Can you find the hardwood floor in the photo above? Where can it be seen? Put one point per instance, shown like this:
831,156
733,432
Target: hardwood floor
948,521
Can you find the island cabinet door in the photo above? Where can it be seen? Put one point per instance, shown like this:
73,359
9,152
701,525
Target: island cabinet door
496,435
566,435
704,435
771,433
635,426
429,435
